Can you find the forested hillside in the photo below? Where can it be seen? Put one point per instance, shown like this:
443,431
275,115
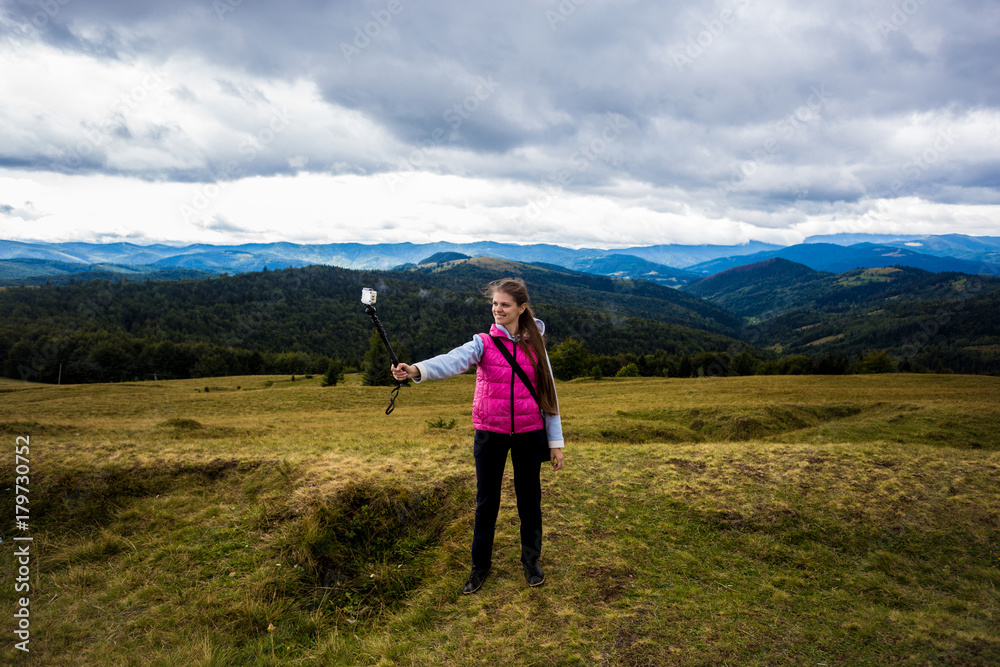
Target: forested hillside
959,332
598,294
921,320
296,320
776,286
758,290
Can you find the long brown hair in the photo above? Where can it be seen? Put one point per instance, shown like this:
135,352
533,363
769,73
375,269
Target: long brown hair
529,337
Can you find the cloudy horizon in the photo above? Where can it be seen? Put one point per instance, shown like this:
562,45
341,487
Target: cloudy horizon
535,121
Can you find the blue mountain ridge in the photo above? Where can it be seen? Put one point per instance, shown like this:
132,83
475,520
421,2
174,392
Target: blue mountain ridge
837,259
673,265
656,263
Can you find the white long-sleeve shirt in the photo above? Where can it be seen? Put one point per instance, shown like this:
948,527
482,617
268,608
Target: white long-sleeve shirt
461,359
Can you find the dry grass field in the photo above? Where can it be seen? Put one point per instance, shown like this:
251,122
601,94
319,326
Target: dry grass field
716,521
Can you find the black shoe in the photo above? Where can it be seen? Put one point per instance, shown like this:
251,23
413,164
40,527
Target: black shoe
533,573
476,579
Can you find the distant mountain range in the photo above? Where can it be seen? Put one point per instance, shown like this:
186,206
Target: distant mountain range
40,271
252,256
959,246
975,256
670,265
660,264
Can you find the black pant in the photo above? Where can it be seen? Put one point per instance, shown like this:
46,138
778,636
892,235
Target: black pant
490,450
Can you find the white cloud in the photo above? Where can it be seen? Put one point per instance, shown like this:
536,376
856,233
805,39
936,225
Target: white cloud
455,119
317,208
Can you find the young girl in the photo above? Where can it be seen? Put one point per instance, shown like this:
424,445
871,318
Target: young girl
509,415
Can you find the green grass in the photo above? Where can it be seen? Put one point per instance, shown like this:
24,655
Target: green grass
743,521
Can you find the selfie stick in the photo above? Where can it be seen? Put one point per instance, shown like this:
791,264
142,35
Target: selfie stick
368,296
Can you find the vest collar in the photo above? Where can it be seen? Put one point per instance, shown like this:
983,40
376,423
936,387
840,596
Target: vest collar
500,331
503,333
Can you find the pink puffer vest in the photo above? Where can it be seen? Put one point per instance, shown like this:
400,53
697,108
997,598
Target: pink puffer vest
491,405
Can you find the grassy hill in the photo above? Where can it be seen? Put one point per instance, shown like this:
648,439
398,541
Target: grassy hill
751,521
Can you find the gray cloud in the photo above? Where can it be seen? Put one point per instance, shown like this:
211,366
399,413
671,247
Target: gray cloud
26,213
220,224
736,104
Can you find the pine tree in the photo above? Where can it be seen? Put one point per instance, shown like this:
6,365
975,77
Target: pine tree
334,373
377,366
569,359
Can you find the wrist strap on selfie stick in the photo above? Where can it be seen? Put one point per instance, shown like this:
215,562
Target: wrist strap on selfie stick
370,311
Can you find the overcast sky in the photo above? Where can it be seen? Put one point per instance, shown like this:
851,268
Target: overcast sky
580,122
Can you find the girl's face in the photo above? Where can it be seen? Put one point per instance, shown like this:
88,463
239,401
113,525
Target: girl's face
506,311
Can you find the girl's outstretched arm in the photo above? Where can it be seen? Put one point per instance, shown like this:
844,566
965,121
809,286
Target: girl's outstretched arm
444,365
